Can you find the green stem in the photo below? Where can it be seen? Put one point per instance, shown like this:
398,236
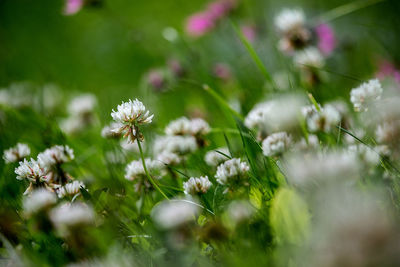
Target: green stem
147,172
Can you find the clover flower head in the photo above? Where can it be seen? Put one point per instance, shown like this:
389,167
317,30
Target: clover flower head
174,213
55,155
213,158
16,153
185,126
180,145
111,130
70,189
69,215
365,94
31,170
197,185
276,143
233,168
309,57
135,169
38,200
324,120
289,20
82,104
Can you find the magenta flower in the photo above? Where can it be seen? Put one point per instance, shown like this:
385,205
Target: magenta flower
222,71
387,69
72,7
326,39
199,24
249,32
219,9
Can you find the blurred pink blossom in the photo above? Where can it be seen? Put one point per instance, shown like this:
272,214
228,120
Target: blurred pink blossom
72,7
155,77
326,38
249,32
199,23
219,9
222,71
388,69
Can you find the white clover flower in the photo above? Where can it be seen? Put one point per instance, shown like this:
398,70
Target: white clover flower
239,211
365,153
180,145
276,143
31,170
111,130
38,200
70,215
309,57
135,169
185,126
324,120
70,189
276,115
365,94
72,125
289,20
312,142
82,105
213,158
231,169
335,166
173,213
131,114
56,155
169,158
16,153
388,132
197,185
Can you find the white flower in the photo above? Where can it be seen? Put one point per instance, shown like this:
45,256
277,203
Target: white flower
174,213
324,120
69,215
197,185
111,130
169,158
16,153
365,93
72,125
31,170
276,144
388,132
70,189
309,57
184,126
131,114
289,20
39,199
55,155
180,145
135,169
231,169
82,104
213,158
365,153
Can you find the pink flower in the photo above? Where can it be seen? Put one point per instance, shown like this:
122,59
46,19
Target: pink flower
155,77
387,69
222,71
72,7
219,9
249,32
326,39
199,24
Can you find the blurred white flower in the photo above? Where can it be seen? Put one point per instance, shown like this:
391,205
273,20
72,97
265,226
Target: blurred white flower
388,132
69,215
185,126
289,20
231,169
82,104
213,158
131,115
365,153
324,120
309,57
111,130
180,145
173,213
17,153
72,125
169,158
365,94
70,189
135,168
31,170
38,200
240,210
276,143
55,155
197,185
